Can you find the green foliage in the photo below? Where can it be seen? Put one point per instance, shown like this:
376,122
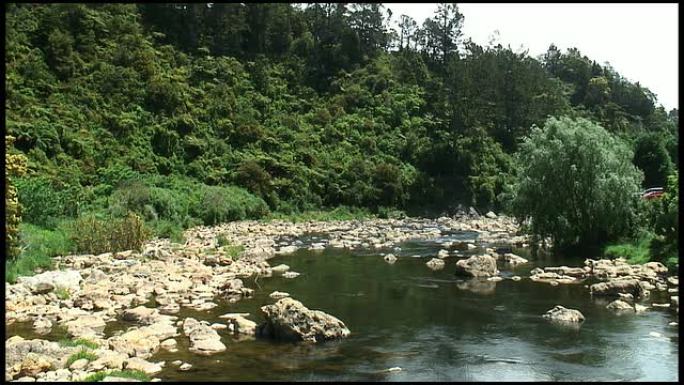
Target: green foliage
216,204
44,204
577,184
203,114
83,354
635,253
38,247
651,156
665,244
96,236
168,229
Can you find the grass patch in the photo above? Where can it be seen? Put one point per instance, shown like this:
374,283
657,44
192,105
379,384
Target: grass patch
231,250
78,342
634,252
38,247
134,374
83,354
341,213
168,229
62,293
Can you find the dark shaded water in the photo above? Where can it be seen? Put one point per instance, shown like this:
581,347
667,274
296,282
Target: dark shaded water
435,327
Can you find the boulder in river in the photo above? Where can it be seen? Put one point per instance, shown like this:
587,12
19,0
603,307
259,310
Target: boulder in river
513,259
477,266
616,286
203,339
560,314
619,306
289,319
390,258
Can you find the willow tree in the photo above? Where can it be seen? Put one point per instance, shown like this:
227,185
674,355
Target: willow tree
577,184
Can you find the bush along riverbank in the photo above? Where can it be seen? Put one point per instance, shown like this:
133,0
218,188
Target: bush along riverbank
86,293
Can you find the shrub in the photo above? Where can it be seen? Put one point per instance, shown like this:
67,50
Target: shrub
215,204
38,247
83,354
97,236
577,184
168,229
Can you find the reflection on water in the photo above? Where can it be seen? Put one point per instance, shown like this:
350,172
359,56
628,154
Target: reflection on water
433,325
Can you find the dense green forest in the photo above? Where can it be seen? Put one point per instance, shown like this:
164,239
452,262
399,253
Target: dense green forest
193,114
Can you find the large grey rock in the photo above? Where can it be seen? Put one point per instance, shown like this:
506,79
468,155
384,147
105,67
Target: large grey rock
513,259
289,319
141,314
477,266
137,363
203,339
616,286
135,343
561,314
58,279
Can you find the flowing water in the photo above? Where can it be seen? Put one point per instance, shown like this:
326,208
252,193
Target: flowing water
434,326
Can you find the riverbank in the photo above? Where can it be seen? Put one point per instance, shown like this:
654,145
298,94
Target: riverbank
88,296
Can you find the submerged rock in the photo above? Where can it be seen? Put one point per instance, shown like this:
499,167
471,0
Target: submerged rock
561,314
289,319
477,266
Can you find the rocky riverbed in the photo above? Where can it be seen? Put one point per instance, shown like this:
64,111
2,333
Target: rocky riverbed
88,295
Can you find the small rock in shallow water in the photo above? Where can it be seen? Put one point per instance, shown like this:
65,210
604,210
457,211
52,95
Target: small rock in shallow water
185,367
280,268
219,326
619,305
176,362
394,369
442,254
661,305
564,315
390,258
291,274
673,324
279,294
435,264
655,334
516,278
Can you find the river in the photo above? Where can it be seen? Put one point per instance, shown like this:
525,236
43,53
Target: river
433,325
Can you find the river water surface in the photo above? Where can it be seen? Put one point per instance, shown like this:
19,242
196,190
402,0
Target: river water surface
434,326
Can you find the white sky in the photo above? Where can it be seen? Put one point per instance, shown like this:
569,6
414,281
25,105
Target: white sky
640,41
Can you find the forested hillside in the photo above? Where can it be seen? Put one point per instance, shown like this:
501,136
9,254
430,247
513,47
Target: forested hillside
196,113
